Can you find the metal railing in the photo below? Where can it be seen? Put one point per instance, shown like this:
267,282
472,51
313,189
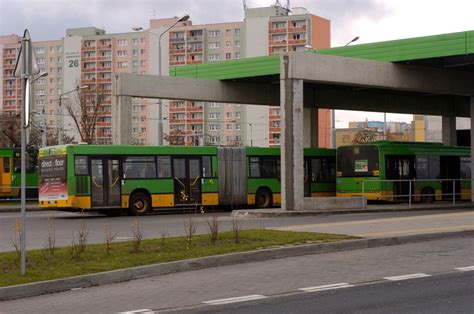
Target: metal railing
415,185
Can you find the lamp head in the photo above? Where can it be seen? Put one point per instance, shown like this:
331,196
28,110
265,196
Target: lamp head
184,18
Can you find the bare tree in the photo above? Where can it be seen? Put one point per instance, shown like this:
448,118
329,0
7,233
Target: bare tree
85,112
365,136
175,137
10,123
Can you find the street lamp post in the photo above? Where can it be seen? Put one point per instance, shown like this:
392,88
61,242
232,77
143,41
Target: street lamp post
251,135
60,130
160,72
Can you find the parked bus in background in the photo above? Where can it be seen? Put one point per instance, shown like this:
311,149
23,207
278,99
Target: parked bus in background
391,171
10,173
142,178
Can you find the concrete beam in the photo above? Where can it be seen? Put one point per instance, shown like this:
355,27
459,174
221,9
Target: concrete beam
376,74
152,86
387,101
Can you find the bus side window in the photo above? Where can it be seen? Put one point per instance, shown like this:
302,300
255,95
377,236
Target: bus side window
164,166
206,167
254,167
465,167
6,164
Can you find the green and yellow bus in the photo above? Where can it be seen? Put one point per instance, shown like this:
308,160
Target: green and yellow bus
111,178
10,173
393,170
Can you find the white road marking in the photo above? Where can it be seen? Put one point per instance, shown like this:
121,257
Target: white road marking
326,287
235,300
467,268
142,311
406,277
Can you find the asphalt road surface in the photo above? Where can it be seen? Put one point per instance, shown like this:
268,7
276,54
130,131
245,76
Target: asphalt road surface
154,226
443,272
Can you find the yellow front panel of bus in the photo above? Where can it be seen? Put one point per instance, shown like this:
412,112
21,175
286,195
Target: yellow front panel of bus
277,198
250,199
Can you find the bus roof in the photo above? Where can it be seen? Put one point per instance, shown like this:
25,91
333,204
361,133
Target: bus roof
412,147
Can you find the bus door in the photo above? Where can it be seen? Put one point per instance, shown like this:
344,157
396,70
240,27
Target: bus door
450,168
5,176
400,168
187,180
105,182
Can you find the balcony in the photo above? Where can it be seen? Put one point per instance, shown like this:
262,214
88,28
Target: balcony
177,62
104,80
177,40
301,29
194,50
107,69
277,30
177,51
194,61
194,38
277,43
104,47
297,41
88,70
102,58
195,108
88,47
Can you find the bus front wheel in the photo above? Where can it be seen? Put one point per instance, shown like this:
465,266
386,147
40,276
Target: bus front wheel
140,204
263,198
427,195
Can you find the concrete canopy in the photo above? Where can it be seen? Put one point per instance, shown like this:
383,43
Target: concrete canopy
437,83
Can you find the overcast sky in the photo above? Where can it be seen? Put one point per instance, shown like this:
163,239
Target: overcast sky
371,20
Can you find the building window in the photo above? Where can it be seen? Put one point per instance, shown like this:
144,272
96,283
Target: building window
142,40
39,50
214,115
228,127
214,33
122,64
134,41
237,43
228,114
142,51
60,59
214,127
122,42
228,44
121,53
237,115
134,52
237,126
228,56
237,55
135,63
237,32
228,32
214,45
59,49
214,57
40,60
142,63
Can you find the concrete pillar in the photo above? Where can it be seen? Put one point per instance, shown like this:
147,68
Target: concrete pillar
292,176
449,130
472,147
122,120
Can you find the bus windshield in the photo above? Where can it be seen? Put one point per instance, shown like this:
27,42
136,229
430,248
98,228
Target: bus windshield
358,161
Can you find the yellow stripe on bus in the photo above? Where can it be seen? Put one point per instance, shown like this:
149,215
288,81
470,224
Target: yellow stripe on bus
323,194
210,199
162,200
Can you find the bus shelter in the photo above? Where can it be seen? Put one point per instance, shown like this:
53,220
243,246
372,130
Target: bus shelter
430,75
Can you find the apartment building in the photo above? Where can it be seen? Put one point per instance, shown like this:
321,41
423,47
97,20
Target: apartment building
90,57
264,31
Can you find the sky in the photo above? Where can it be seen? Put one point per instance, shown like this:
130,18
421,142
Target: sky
371,20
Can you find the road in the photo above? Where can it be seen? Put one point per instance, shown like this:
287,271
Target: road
154,226
449,293
187,291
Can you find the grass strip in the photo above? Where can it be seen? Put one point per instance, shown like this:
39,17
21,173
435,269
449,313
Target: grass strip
42,265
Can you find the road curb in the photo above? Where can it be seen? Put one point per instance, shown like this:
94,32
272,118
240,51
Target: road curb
59,285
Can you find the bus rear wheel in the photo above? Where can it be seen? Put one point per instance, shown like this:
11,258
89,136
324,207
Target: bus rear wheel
140,204
427,195
263,198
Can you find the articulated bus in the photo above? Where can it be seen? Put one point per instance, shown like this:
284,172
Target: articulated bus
10,173
391,171
112,178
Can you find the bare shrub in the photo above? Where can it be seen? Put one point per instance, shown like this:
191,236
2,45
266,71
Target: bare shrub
79,247
109,238
212,225
16,239
236,228
190,229
50,245
137,236
164,236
